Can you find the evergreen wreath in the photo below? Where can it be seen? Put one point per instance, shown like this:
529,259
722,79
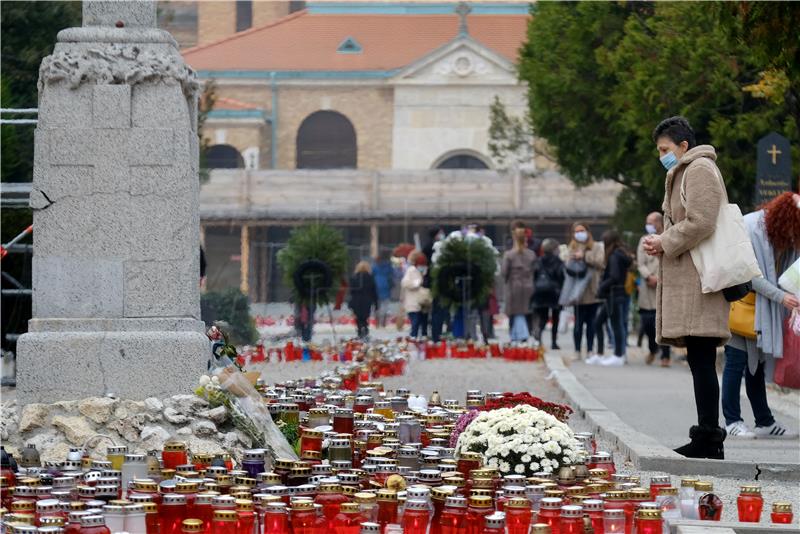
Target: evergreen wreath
463,267
313,263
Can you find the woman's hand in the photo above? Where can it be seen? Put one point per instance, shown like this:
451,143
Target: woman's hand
790,301
578,255
652,245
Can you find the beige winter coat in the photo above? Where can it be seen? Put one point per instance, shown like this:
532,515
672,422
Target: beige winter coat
682,309
595,258
648,266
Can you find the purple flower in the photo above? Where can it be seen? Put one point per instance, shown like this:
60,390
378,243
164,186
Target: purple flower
462,423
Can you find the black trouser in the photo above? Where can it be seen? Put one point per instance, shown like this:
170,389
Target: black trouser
649,327
440,317
542,315
701,353
584,315
613,311
362,326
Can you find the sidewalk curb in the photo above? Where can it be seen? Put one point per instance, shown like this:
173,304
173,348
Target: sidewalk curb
646,452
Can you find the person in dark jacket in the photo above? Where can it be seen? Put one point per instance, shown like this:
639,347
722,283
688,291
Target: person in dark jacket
548,278
611,292
363,297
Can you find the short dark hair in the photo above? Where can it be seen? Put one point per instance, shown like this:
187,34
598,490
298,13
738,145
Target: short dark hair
518,224
677,129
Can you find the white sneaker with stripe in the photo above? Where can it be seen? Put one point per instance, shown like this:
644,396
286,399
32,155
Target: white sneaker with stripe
774,431
740,430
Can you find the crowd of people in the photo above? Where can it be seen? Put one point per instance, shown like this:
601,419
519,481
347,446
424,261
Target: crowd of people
597,280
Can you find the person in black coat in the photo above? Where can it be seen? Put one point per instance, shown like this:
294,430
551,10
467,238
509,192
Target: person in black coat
548,278
363,297
611,292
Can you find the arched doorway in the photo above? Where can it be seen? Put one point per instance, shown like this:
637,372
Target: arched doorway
223,157
326,140
461,160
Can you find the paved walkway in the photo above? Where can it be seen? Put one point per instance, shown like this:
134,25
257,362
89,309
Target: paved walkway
660,402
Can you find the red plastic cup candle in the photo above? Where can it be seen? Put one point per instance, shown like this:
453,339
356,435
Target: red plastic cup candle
303,517
416,517
330,497
224,522
550,512
387,507
173,512
246,516
649,522
479,507
571,521
348,520
495,524
657,482
311,440
782,513
276,519
594,509
518,515
174,454
750,503
454,516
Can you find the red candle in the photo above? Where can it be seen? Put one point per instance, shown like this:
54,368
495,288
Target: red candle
387,508
550,513
276,520
571,521
495,524
303,518
782,513
246,517
657,482
518,515
348,520
479,507
415,517
330,496
749,504
174,454
224,522
649,522
454,516
173,512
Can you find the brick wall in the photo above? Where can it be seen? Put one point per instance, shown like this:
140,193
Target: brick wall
216,19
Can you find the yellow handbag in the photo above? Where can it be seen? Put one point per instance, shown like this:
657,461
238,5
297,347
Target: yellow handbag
742,318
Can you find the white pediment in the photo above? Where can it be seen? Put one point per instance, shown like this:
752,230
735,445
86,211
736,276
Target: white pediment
461,61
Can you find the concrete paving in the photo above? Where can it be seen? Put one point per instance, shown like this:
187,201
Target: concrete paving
659,402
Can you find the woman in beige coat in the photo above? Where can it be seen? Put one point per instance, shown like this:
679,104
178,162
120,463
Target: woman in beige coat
685,316
583,247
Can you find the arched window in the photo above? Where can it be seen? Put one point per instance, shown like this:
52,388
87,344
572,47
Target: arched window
223,157
461,161
326,140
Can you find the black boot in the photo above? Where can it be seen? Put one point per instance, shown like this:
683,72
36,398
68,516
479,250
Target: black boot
706,442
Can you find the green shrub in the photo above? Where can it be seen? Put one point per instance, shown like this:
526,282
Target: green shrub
231,306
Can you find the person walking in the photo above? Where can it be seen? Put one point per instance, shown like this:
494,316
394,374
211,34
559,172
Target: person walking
517,272
685,316
415,297
363,297
440,315
589,258
775,235
383,274
648,273
548,280
611,291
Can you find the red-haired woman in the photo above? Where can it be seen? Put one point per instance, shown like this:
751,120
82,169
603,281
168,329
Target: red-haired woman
775,234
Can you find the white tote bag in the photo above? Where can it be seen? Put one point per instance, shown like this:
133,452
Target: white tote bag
726,257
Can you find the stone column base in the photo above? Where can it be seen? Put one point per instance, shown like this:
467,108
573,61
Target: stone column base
66,359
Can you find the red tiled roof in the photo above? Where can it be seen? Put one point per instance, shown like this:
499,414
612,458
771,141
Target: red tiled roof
223,102
306,41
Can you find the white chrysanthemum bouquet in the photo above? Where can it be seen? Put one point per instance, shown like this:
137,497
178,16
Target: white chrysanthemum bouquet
520,440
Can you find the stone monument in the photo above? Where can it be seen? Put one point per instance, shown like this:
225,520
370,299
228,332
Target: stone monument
116,301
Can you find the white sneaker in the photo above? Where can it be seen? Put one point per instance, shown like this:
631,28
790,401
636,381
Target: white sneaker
612,361
740,430
774,431
594,359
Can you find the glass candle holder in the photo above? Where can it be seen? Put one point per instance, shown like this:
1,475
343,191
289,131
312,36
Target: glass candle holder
781,513
750,503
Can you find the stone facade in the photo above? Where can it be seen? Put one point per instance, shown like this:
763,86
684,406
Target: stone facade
369,108
217,19
115,206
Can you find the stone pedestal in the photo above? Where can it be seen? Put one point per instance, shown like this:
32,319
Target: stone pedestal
116,302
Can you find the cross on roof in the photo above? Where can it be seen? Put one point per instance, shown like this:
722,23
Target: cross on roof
463,9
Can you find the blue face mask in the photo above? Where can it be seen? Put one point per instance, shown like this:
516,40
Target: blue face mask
669,160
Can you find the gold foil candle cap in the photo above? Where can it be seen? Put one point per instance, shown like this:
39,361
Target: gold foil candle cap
703,485
782,507
192,525
480,501
750,489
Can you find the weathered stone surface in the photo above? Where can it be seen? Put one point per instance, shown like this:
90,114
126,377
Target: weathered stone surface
204,446
153,404
217,415
51,446
204,428
98,409
76,429
33,416
129,365
131,13
130,427
9,420
184,431
174,417
153,437
186,404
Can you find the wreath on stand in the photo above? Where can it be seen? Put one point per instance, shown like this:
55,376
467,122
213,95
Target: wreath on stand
463,269
313,262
